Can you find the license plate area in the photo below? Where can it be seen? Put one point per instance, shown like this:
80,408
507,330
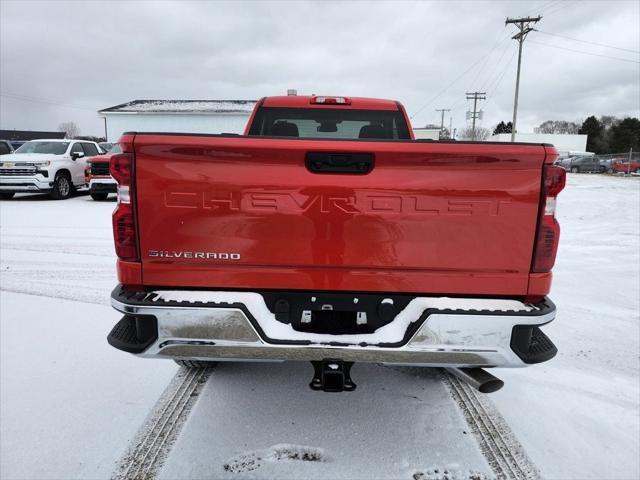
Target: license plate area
334,322
335,313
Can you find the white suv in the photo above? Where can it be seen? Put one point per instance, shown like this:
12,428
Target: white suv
53,166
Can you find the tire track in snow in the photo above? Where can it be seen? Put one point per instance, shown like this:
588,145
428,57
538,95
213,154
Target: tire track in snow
497,442
97,298
70,276
154,440
99,249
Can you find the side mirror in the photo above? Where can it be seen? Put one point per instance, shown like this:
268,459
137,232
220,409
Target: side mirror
76,155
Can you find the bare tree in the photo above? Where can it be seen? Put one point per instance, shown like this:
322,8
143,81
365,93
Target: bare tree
558,126
70,129
481,133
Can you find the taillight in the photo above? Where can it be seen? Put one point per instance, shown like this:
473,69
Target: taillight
331,100
554,180
548,234
125,234
121,168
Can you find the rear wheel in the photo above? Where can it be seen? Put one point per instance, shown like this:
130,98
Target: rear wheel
61,186
98,196
6,195
196,363
575,169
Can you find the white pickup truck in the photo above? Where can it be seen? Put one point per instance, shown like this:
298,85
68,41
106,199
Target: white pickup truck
49,166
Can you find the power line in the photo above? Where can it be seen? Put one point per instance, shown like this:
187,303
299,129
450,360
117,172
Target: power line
586,41
543,7
556,8
492,84
487,58
447,87
439,94
586,53
493,75
26,98
550,8
498,80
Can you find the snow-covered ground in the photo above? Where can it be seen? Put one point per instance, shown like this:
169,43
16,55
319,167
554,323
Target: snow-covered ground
71,405
397,423
578,415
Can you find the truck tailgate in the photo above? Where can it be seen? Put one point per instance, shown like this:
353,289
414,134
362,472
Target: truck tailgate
236,212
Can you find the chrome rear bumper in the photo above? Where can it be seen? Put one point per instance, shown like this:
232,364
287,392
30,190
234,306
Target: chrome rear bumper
235,329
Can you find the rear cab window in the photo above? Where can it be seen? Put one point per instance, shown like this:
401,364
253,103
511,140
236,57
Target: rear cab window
329,123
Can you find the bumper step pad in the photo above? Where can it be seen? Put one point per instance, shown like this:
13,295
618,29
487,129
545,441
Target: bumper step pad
532,345
134,334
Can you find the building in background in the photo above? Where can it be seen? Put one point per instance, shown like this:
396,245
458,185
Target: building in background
567,144
179,116
426,133
26,135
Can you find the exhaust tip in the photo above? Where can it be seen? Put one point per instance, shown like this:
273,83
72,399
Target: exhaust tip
491,386
477,378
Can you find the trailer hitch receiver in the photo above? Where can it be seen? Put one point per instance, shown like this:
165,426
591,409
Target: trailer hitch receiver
332,376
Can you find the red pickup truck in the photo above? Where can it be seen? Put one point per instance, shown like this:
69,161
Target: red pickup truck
327,233
625,166
97,175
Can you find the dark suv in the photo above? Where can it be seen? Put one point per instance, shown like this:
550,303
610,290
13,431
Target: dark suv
586,164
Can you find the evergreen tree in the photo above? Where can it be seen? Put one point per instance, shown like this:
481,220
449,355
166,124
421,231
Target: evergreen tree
502,128
594,131
625,135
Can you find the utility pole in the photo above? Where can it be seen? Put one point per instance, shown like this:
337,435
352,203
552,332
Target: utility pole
524,25
442,119
451,137
475,96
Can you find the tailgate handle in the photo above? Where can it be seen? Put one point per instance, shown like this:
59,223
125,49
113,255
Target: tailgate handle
335,162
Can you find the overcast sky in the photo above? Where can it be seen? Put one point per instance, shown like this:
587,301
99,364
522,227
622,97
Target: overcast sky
63,61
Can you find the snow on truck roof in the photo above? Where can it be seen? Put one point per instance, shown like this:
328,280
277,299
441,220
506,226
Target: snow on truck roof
182,106
241,106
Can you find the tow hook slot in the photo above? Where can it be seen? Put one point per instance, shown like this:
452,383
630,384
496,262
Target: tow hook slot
332,376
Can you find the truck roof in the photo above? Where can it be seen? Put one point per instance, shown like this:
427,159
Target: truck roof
357,103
